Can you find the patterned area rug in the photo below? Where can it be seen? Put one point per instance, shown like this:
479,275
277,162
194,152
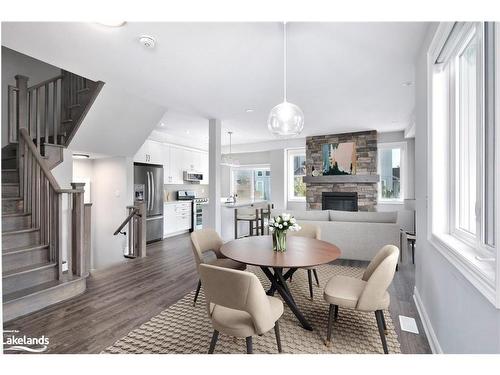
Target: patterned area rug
185,329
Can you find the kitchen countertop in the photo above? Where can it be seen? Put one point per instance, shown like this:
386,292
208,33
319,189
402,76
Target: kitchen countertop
173,202
240,204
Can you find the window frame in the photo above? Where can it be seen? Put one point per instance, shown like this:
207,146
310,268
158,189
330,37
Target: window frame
291,153
253,167
403,172
480,265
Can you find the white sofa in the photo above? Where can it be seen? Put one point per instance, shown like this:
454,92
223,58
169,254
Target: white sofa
359,235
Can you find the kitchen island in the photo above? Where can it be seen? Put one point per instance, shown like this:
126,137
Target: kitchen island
227,217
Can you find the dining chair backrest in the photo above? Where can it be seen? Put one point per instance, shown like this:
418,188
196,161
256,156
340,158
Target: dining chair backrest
378,277
204,240
307,230
238,290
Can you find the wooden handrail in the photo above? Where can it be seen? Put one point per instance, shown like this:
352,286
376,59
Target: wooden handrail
50,80
134,212
43,165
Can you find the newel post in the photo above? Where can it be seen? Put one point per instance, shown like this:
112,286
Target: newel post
22,104
141,229
78,260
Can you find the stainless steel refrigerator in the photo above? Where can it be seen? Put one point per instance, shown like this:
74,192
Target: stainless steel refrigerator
148,187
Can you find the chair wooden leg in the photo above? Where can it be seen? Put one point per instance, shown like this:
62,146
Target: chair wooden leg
278,337
379,314
249,345
215,336
330,325
413,252
197,292
309,277
336,314
316,276
384,324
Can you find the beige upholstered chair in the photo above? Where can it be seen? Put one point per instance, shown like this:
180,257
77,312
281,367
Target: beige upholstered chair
238,305
310,231
366,294
204,242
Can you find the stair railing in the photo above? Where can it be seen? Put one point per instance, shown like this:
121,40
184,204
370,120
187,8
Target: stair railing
43,198
136,232
51,110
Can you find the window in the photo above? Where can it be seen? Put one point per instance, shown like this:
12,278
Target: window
391,171
462,151
296,172
251,182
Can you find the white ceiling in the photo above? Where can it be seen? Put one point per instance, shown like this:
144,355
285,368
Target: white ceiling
344,76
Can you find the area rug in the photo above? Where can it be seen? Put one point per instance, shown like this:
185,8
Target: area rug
184,329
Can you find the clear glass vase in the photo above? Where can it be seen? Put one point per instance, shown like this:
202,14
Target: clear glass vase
279,241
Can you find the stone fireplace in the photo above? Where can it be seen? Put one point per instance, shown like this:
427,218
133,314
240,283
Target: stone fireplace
364,183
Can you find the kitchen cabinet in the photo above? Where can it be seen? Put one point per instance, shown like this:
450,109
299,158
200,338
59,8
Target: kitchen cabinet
175,160
177,217
151,152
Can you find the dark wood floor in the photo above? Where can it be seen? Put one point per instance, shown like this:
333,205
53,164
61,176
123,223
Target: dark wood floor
122,297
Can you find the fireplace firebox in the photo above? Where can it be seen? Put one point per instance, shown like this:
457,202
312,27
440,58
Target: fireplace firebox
340,201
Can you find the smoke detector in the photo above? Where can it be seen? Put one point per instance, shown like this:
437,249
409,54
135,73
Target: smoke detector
147,41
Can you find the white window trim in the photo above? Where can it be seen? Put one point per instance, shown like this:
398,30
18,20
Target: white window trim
247,166
473,265
291,153
403,177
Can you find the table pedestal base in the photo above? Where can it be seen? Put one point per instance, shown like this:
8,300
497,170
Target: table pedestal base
278,283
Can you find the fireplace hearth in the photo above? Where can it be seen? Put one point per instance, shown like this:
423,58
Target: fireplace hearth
340,201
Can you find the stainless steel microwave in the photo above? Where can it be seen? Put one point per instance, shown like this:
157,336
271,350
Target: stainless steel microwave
193,176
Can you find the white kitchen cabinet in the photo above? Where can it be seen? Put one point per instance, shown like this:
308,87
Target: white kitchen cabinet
175,166
151,152
204,166
176,218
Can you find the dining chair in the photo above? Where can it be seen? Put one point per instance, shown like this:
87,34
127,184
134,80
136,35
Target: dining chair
206,242
238,305
366,294
310,231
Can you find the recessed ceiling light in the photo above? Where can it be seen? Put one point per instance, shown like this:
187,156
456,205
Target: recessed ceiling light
112,23
407,83
81,156
249,110
147,41
162,124
187,131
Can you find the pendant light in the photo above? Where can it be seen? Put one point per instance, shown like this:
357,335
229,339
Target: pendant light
227,159
286,119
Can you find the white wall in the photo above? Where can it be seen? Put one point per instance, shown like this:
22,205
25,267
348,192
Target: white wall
111,182
14,63
458,317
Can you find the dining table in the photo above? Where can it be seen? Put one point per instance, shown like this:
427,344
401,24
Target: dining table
300,252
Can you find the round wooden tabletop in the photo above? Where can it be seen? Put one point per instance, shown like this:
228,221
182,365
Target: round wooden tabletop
300,252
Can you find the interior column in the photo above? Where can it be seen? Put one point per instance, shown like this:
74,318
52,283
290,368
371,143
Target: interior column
214,174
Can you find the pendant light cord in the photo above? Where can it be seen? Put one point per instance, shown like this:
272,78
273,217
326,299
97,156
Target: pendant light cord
284,61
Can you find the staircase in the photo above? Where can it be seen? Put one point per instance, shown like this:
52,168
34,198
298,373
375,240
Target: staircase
41,266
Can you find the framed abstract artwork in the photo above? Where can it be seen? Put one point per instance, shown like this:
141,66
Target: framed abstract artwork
339,158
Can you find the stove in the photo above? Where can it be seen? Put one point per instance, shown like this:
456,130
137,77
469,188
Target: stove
198,207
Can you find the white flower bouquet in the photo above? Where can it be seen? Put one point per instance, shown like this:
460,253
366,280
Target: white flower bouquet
279,226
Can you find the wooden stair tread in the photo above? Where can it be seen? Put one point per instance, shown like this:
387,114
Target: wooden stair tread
11,198
10,183
17,231
20,249
9,170
30,268
36,289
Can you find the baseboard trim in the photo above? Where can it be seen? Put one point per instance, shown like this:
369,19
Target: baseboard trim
429,331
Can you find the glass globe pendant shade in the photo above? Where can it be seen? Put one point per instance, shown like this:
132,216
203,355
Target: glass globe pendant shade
286,119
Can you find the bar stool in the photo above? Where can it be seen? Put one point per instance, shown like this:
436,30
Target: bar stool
265,215
251,215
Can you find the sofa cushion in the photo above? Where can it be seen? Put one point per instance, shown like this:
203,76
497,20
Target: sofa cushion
312,215
364,217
